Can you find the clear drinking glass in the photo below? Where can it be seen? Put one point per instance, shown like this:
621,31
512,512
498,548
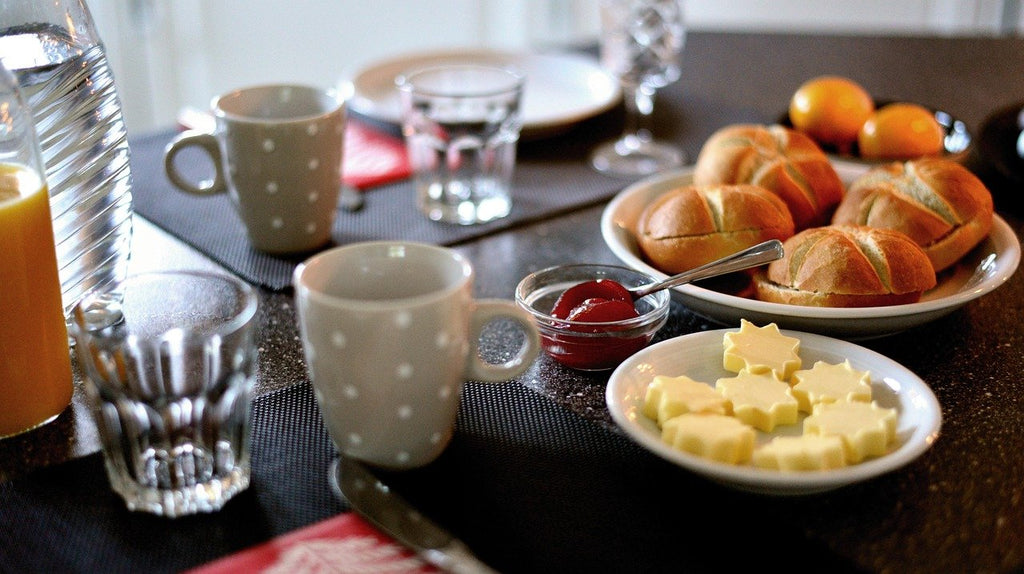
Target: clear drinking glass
641,43
171,365
461,124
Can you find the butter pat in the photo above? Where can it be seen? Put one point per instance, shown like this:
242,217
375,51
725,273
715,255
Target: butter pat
760,349
826,383
866,429
761,400
717,437
668,397
800,453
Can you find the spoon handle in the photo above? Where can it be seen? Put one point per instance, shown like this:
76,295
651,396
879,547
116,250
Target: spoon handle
750,257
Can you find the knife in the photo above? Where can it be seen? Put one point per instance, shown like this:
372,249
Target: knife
392,514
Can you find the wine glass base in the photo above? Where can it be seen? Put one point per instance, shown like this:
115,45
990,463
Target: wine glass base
630,156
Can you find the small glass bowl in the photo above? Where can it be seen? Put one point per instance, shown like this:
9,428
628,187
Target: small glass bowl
590,346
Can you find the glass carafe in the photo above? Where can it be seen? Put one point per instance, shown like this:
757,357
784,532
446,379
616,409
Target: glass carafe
35,362
55,53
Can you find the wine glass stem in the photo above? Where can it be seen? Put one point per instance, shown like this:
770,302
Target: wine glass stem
639,105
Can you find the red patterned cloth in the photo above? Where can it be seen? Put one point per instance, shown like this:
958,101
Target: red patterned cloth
344,543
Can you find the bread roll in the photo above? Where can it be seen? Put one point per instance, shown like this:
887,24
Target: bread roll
846,266
693,225
785,161
936,202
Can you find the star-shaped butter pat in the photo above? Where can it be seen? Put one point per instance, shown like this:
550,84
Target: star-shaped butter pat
762,400
866,429
667,397
759,349
716,437
828,383
804,452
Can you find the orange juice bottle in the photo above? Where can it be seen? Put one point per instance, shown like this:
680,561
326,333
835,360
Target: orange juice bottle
35,362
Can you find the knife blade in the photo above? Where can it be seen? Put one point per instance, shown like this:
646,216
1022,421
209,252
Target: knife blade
385,509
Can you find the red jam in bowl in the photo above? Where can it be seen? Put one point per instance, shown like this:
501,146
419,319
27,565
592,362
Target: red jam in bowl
601,290
585,306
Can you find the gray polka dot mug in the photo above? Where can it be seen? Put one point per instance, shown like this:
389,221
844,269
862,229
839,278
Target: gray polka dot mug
390,332
277,151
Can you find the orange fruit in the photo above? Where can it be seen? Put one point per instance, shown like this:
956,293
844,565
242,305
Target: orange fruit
830,109
900,131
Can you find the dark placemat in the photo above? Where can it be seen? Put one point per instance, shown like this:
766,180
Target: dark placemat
548,181
528,485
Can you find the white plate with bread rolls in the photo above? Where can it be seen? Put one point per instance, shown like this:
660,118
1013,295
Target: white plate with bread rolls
979,272
699,356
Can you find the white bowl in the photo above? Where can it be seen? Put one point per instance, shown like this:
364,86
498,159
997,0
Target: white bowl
699,356
986,267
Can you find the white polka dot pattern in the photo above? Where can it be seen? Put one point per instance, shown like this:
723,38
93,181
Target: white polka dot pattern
404,371
338,339
403,320
277,153
292,167
425,413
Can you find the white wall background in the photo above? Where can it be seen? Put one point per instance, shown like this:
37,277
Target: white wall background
167,54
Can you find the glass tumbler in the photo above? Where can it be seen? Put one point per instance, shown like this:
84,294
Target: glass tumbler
170,362
461,124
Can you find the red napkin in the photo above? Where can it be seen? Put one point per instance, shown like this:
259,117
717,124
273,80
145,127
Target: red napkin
344,543
372,158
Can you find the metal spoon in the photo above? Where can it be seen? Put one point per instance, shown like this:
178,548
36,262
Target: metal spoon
750,257
350,199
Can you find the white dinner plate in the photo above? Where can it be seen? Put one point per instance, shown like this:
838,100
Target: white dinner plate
990,264
699,356
560,89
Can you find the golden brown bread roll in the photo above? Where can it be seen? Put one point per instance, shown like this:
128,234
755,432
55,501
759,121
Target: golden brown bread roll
785,161
936,202
693,225
846,266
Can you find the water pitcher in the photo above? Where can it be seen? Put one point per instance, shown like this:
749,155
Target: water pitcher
59,61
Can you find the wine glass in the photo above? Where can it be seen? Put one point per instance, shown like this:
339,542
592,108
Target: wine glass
641,41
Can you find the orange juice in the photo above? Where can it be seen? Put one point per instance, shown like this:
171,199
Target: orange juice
35,363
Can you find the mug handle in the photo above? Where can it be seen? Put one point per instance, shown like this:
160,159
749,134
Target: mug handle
487,310
206,142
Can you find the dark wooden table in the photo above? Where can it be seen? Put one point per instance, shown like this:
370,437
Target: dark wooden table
960,507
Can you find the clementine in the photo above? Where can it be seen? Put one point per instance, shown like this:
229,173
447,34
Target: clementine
831,109
900,131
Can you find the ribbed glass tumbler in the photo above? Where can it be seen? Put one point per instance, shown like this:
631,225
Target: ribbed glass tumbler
171,363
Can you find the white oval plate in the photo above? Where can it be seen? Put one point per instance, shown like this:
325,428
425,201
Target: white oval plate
991,263
561,89
699,356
